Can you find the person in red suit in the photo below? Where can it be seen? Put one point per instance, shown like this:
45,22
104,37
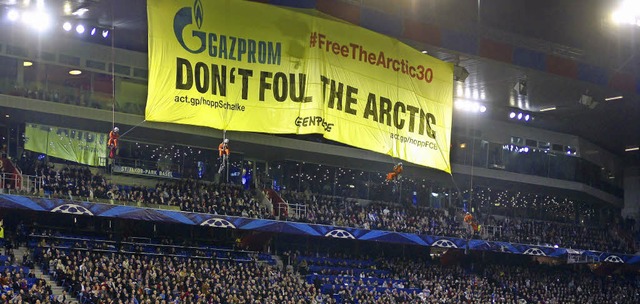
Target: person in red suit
468,218
223,152
395,174
113,141
223,148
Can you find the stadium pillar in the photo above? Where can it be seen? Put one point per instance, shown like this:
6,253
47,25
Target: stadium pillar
20,74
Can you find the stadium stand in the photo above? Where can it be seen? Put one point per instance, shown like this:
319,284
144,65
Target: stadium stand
96,269
77,182
300,218
18,282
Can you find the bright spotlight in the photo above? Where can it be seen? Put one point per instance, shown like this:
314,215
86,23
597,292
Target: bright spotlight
93,31
470,106
526,117
42,22
512,115
105,33
27,63
66,26
67,8
75,72
519,116
627,13
27,17
80,29
13,15
37,20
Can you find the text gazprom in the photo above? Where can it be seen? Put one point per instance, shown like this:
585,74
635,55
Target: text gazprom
241,49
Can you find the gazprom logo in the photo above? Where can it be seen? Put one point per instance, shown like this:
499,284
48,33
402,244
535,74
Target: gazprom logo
198,12
185,17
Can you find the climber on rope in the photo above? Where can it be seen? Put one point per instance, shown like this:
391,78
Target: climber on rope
395,174
223,152
471,221
113,142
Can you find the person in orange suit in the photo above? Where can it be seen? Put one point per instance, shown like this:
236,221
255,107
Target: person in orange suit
223,148
395,174
468,218
113,142
113,138
223,152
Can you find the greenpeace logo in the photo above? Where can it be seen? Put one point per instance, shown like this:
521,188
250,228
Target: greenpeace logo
312,121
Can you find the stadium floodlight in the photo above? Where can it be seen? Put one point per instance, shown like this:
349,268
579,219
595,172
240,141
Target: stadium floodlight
627,13
80,29
67,8
470,106
67,26
37,20
13,15
105,33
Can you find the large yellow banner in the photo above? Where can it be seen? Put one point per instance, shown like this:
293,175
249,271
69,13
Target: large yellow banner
246,66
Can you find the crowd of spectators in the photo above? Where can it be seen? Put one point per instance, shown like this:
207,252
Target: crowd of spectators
413,280
195,196
66,95
346,212
188,195
527,231
234,200
21,287
99,277
18,283
106,278
546,284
